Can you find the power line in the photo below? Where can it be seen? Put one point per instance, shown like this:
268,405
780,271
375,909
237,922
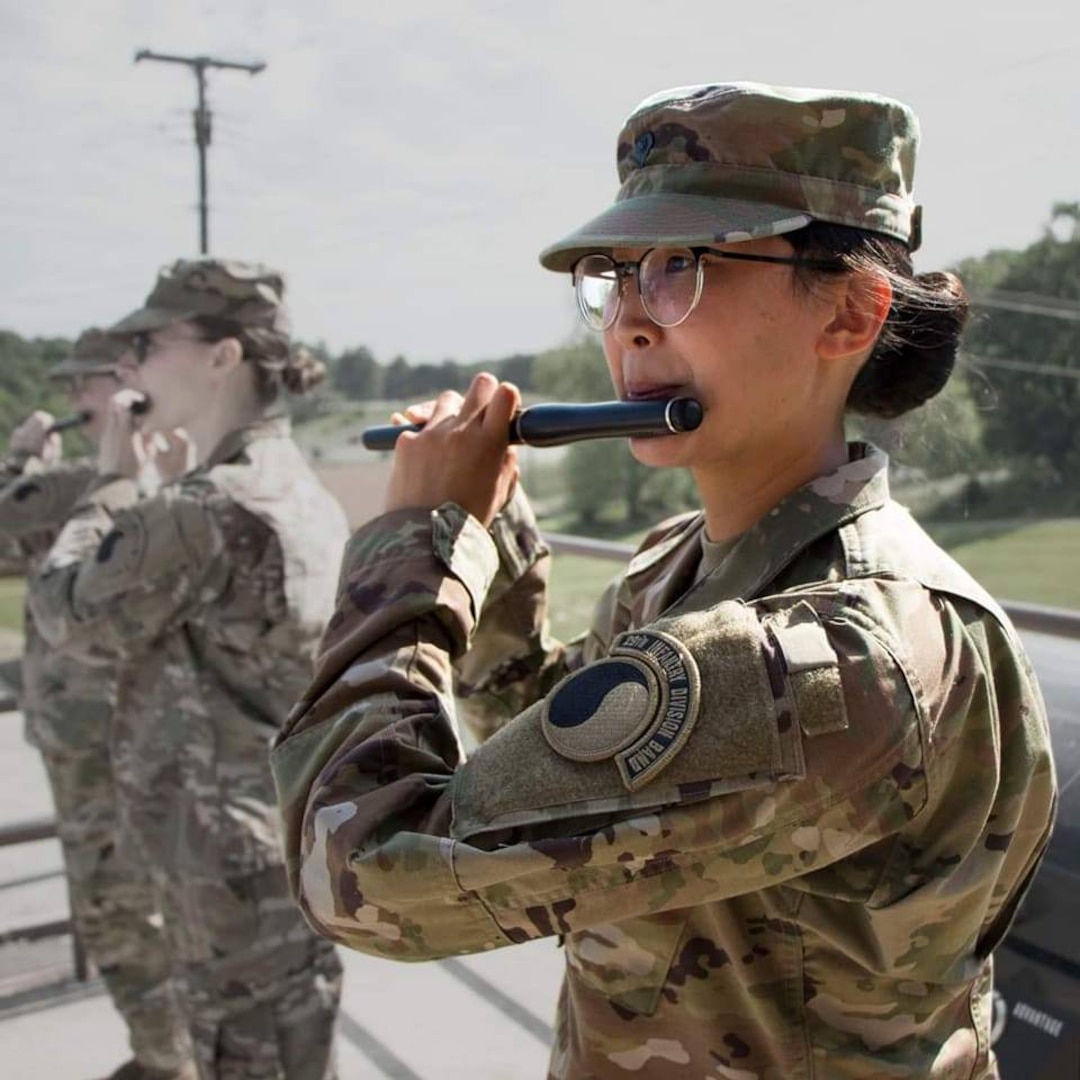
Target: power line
199,65
972,360
1027,303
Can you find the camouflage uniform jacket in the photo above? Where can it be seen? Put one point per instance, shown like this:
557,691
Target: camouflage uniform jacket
780,817
211,595
65,703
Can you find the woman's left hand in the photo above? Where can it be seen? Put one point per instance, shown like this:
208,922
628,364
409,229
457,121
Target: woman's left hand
117,452
462,455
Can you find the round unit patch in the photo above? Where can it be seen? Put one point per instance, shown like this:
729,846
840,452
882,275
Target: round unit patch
636,707
596,712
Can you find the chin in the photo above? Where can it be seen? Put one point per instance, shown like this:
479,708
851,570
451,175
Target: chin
661,451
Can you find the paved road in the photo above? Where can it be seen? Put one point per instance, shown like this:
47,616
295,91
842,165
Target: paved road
1057,662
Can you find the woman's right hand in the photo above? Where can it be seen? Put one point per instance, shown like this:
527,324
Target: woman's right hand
117,453
462,455
33,437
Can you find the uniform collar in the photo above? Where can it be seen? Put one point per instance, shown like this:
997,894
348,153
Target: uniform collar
766,548
236,441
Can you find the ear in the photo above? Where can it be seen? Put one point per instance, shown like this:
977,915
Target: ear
228,354
861,306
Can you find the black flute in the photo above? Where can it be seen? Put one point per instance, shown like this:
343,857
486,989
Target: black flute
65,423
557,424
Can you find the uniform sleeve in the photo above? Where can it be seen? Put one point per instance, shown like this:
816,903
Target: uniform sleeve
707,755
36,500
512,660
125,570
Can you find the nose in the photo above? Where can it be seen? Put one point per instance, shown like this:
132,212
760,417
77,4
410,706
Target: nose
126,366
632,327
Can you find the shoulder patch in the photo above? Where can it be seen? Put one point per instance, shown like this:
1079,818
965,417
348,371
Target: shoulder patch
122,550
638,707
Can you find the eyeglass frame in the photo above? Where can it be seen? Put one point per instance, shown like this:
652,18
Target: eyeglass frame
624,268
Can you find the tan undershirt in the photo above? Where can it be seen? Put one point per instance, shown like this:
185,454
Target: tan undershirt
713,554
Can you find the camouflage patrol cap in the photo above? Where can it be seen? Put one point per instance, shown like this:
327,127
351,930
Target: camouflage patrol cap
94,353
724,163
247,293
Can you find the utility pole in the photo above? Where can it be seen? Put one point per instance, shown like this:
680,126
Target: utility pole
199,65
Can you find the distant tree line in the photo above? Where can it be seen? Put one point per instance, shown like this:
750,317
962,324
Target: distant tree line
1030,414
354,375
358,376
1007,425
23,385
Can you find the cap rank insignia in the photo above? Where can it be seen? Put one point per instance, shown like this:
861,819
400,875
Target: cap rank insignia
643,147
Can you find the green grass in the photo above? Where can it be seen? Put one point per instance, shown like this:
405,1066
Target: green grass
12,592
576,584
1034,562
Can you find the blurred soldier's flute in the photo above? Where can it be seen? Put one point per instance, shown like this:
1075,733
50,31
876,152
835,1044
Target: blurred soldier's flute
557,424
66,423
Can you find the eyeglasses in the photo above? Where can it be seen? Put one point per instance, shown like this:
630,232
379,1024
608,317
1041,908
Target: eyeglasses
669,282
144,345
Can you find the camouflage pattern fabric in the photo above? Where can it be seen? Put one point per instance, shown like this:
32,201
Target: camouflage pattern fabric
95,352
247,293
211,596
780,818
260,990
724,163
67,708
113,904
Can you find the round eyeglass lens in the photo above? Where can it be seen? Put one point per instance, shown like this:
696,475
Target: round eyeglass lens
597,284
670,283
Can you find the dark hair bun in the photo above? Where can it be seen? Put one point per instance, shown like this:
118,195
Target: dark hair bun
916,352
302,371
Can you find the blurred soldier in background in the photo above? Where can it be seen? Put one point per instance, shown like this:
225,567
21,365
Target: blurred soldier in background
68,708
212,596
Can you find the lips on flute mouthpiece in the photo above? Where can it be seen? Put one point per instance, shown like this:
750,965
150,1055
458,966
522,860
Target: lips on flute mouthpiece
558,424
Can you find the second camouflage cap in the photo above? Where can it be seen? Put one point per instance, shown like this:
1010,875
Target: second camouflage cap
730,162
94,353
250,294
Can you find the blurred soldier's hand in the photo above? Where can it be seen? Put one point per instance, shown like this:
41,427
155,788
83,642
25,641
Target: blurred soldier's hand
32,437
462,455
117,452
172,453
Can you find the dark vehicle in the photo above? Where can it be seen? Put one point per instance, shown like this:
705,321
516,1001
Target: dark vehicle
1037,967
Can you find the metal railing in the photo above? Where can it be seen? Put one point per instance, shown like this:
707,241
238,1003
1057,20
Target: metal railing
30,832
1036,618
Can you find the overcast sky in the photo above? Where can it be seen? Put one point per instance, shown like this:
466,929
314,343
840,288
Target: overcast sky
404,162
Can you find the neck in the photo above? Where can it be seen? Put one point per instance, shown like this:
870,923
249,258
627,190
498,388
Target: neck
736,495
213,424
